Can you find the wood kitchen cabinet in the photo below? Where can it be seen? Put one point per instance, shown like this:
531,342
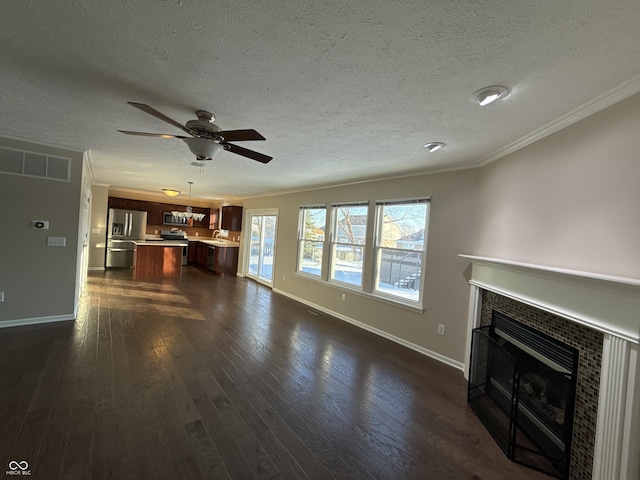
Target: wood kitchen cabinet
231,218
121,203
192,252
202,250
155,211
204,223
138,205
227,261
214,217
218,259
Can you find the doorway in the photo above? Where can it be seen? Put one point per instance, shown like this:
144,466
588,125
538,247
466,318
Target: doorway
262,245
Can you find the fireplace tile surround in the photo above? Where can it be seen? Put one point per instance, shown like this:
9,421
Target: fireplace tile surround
589,343
597,314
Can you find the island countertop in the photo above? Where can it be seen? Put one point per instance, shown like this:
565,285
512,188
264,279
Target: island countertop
160,243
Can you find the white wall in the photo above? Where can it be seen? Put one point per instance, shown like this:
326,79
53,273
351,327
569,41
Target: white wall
39,281
98,232
451,231
571,200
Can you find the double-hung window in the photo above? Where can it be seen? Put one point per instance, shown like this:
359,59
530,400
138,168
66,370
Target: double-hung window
400,249
311,236
348,238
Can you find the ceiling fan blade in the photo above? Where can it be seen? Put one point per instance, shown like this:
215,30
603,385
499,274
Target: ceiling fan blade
245,152
144,134
152,111
240,135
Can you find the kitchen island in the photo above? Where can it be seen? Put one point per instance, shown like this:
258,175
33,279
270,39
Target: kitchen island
157,259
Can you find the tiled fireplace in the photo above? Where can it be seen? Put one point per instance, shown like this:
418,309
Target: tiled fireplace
597,315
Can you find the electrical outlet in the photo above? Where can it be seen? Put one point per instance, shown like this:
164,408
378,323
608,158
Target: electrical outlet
284,278
440,329
1,296
344,297
56,241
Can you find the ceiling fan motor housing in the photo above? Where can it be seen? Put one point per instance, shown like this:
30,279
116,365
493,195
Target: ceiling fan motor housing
204,128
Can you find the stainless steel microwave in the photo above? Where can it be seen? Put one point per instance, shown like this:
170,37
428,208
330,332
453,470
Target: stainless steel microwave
169,219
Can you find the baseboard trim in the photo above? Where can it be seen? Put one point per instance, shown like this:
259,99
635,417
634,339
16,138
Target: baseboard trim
424,351
36,320
96,269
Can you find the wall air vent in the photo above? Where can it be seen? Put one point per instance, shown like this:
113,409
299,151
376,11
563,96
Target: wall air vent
33,164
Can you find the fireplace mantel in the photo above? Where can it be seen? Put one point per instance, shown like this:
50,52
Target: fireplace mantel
608,304
605,303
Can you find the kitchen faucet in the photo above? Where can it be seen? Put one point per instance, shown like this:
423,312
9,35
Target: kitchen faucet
216,234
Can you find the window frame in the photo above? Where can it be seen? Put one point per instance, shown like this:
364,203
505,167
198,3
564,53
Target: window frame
302,239
378,247
334,242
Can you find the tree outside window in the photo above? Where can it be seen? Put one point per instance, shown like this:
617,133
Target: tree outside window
401,248
349,228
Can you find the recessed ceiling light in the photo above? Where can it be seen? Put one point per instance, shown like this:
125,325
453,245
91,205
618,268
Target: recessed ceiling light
433,146
488,95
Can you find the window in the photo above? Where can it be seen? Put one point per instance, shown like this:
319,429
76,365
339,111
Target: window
400,248
311,240
348,237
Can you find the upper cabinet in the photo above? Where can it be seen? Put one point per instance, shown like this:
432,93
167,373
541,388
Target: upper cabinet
127,204
155,210
121,203
205,221
232,218
214,219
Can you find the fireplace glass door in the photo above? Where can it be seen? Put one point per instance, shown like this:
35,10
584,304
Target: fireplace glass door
522,387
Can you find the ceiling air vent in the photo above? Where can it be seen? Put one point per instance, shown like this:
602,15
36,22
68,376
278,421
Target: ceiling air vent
32,164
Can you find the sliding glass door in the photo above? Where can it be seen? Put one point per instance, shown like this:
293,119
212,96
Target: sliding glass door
262,245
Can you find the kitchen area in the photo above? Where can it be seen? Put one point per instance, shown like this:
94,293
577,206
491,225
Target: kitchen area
155,239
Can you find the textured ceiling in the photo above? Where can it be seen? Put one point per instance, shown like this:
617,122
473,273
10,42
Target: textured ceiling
342,91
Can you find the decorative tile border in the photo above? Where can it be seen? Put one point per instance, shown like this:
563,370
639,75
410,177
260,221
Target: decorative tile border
589,342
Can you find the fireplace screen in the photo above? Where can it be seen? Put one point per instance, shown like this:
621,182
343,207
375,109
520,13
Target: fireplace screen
522,387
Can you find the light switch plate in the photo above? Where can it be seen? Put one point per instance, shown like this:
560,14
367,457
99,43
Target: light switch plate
56,241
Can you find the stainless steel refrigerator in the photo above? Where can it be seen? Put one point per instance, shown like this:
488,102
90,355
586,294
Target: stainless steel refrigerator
125,226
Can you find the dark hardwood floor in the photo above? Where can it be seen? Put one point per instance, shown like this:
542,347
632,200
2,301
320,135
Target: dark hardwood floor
219,378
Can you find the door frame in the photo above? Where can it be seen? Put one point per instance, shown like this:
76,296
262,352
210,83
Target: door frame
246,253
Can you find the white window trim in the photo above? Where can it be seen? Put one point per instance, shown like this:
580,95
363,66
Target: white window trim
377,247
323,264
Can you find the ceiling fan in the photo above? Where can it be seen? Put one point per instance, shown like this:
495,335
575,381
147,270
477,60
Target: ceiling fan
206,138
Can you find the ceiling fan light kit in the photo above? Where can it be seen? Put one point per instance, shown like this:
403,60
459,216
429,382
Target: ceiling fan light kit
488,95
206,139
203,148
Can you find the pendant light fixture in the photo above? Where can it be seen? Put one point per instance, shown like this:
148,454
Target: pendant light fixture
188,215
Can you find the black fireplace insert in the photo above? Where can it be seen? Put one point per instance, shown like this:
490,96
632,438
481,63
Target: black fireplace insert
522,386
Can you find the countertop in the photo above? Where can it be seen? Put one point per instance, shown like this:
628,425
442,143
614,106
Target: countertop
216,242
156,243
